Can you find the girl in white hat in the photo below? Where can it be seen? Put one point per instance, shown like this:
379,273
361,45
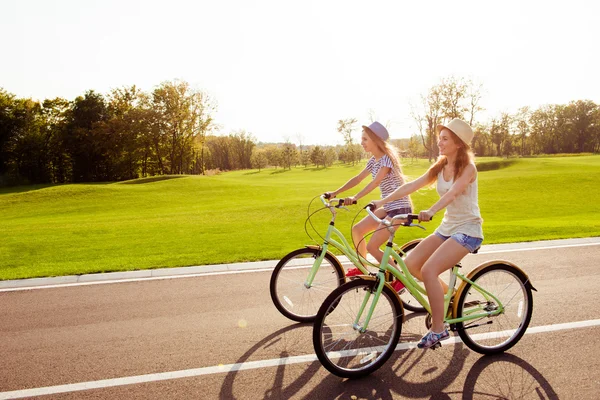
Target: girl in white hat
384,168
456,177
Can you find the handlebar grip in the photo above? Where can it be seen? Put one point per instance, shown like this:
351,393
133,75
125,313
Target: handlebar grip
326,195
370,206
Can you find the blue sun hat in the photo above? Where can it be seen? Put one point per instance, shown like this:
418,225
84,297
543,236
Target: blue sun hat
378,130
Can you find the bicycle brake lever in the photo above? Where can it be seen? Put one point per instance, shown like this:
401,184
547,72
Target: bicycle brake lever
418,226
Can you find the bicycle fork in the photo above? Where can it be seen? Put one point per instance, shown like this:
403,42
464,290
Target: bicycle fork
378,288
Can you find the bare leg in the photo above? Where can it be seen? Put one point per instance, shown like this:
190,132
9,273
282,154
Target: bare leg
374,246
420,254
365,226
444,258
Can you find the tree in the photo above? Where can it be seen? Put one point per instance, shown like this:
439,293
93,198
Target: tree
453,93
289,155
182,113
583,122
482,143
259,159
345,127
305,158
330,156
451,98
317,156
85,140
242,145
413,147
274,155
522,128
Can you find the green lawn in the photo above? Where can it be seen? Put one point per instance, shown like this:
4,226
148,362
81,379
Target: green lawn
250,215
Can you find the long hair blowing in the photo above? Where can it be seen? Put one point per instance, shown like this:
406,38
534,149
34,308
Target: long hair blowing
463,157
390,150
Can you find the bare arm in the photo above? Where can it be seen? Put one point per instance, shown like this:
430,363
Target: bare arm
383,171
404,190
351,183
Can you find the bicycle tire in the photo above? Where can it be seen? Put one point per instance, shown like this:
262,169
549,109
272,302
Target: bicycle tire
495,334
367,351
288,292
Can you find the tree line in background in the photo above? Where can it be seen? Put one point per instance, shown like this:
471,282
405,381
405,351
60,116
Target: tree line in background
551,129
129,133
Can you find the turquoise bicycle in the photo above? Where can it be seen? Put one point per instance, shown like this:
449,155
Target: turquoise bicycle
358,325
304,278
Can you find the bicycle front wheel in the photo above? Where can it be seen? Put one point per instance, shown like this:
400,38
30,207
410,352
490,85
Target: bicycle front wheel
342,344
497,333
288,290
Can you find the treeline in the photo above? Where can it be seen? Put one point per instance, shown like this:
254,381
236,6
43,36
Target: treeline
550,129
129,134
126,134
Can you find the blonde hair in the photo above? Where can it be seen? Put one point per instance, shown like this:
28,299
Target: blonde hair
463,157
389,150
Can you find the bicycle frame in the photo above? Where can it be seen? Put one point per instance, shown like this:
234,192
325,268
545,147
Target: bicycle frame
418,292
342,245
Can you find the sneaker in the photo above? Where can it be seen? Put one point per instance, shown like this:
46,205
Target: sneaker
397,285
354,272
432,338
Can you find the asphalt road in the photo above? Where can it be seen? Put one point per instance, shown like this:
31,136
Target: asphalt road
219,337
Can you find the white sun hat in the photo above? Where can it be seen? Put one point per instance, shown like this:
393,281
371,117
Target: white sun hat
460,128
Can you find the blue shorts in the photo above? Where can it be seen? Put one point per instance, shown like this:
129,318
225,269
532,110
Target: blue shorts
468,242
398,211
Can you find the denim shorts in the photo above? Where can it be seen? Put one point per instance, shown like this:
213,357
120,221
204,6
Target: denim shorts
398,211
468,242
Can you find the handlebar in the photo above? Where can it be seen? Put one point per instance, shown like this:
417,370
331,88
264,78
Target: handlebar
409,218
340,202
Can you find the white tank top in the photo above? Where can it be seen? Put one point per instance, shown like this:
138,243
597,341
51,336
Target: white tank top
462,215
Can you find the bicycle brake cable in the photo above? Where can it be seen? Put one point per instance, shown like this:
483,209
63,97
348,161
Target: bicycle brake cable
309,214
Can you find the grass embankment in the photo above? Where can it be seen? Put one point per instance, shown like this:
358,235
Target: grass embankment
249,216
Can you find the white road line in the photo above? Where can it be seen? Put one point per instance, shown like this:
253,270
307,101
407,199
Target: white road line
244,271
538,248
187,373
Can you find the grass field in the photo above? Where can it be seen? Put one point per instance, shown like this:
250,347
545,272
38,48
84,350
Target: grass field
250,215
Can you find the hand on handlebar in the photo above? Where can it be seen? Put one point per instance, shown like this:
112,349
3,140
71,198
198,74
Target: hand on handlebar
425,215
375,204
348,201
329,195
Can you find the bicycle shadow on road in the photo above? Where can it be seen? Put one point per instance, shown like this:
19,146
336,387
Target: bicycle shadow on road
411,373
505,375
289,341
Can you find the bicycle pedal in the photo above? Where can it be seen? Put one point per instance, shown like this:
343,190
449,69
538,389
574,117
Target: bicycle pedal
435,346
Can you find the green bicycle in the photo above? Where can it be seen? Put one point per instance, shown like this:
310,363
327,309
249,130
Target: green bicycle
358,325
298,294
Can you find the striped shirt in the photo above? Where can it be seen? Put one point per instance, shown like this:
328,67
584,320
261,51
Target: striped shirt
390,182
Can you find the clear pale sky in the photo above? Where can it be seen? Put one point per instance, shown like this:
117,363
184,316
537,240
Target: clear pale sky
284,69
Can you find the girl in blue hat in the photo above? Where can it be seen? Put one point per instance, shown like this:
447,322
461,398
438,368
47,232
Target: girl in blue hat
386,172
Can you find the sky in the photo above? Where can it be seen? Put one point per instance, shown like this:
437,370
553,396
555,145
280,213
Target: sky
289,70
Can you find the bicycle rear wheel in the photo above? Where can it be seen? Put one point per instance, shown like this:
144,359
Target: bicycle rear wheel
498,333
288,292
340,345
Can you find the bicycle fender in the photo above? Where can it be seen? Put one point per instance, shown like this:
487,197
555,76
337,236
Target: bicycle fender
479,268
407,244
388,284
